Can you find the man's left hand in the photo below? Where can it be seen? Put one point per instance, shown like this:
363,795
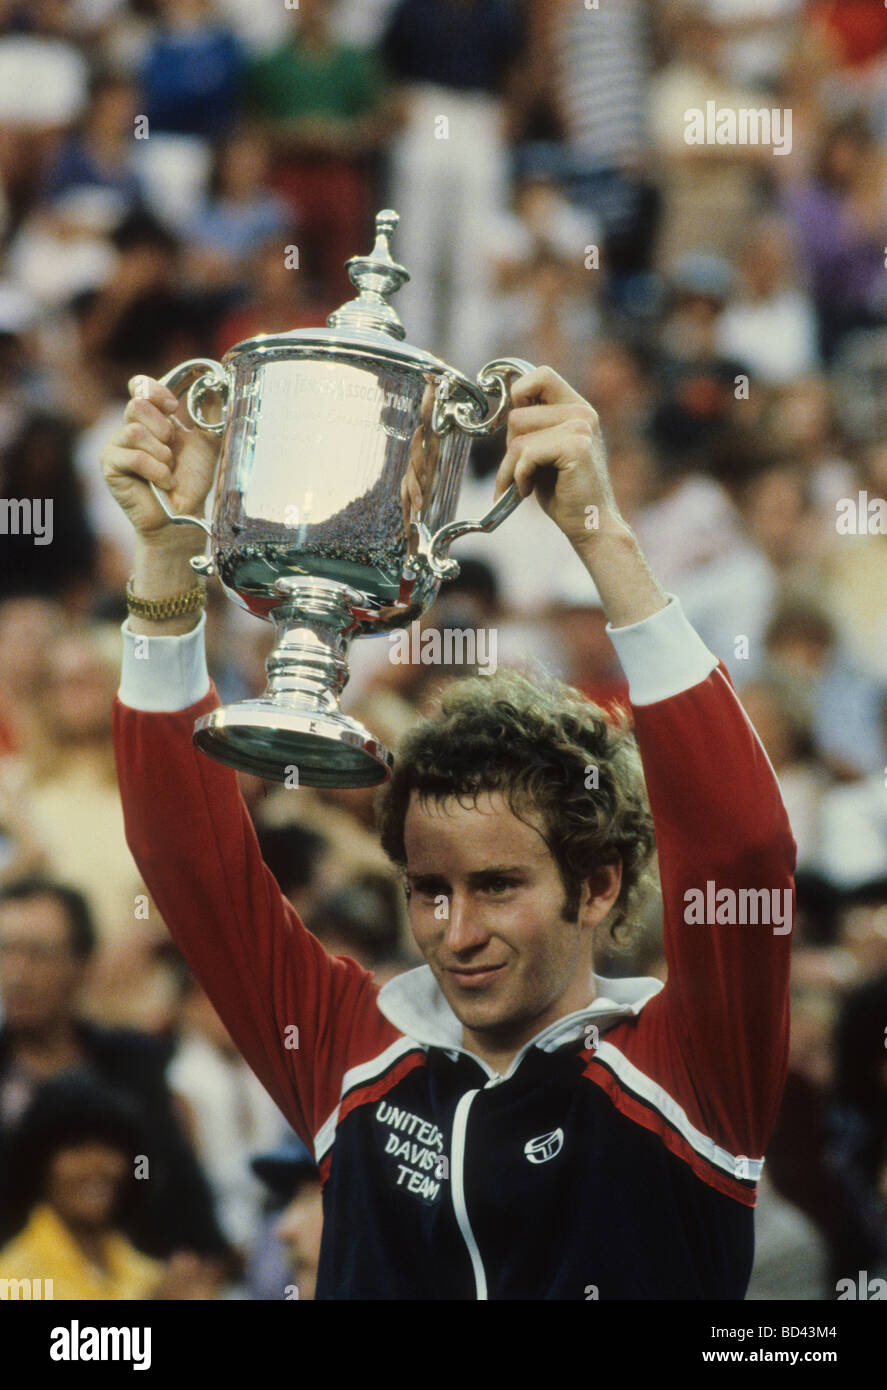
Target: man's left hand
556,448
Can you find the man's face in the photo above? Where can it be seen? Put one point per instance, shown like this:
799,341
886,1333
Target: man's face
299,1228
39,973
486,902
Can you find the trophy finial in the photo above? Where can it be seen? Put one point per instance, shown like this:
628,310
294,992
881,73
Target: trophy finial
375,276
386,226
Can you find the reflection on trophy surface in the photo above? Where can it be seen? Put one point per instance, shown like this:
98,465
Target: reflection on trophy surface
342,454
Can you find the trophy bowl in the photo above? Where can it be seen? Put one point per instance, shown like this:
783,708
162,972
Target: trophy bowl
341,457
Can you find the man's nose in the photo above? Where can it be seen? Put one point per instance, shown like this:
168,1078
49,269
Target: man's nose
464,930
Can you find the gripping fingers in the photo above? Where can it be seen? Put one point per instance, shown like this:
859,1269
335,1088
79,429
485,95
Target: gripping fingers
122,461
557,447
531,419
143,439
152,417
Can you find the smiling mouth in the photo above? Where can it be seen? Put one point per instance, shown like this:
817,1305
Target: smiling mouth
474,974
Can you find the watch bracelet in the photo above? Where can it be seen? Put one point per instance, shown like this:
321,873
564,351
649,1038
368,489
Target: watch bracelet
179,606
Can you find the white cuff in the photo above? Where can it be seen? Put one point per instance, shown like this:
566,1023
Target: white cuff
161,675
662,655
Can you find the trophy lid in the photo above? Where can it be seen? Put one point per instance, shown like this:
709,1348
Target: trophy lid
375,276
365,329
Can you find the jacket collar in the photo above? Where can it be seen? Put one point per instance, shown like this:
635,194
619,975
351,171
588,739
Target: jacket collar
415,1004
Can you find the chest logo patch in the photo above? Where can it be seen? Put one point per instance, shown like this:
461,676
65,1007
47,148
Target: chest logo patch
545,1147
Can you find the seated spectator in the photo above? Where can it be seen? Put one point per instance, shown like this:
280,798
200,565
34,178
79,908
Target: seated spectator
803,641
757,37
363,920
73,789
21,853
73,1184
292,1178
227,1112
854,829
46,941
298,857
694,535
862,928
29,625
795,1155
276,298
43,91
589,659
70,1185
709,186
322,104
855,570
50,549
63,247
856,1154
99,153
541,220
22,384
239,214
619,379
141,320
776,709
780,513
191,74
770,324
838,215
549,315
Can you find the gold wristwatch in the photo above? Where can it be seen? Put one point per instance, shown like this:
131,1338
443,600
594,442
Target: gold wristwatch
157,609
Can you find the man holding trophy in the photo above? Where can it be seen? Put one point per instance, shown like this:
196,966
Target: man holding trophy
500,1123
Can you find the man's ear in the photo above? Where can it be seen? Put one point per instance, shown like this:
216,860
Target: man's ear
599,893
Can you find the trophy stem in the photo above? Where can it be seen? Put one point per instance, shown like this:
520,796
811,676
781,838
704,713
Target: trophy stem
310,657
296,732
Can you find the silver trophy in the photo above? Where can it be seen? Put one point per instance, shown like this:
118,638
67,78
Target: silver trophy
342,455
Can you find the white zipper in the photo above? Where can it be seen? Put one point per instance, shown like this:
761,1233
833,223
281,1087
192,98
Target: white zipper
460,1124
460,1120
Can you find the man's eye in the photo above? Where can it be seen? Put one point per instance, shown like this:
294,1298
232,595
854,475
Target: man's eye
500,885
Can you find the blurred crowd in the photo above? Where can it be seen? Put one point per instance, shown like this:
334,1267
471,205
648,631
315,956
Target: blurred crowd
177,175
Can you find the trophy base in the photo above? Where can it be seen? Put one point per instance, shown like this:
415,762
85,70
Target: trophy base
296,747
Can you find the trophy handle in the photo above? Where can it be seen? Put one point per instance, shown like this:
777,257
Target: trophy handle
212,381
495,376
493,379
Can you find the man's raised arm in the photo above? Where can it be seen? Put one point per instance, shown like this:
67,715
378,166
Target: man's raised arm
717,1036
300,1017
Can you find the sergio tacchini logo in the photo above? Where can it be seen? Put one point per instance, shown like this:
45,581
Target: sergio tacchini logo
545,1147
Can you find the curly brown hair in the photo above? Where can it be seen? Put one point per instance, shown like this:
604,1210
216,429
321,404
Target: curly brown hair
536,742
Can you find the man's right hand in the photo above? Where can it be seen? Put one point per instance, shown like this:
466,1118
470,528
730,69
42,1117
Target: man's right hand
155,444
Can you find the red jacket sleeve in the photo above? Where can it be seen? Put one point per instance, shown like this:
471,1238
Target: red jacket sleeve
194,842
716,1037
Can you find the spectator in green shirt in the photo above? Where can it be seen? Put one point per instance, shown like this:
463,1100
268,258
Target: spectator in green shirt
325,108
